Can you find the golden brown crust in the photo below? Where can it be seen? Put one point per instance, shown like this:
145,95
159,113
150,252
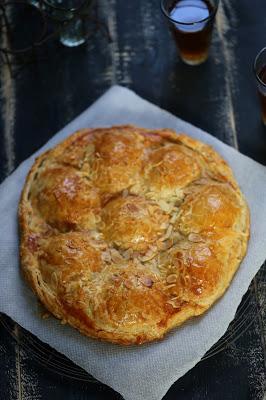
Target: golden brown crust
128,232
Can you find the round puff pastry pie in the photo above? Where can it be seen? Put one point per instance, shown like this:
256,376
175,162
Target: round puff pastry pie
128,232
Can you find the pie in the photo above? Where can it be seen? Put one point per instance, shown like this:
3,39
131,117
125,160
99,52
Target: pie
127,232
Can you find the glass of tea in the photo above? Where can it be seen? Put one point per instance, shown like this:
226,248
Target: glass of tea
191,22
260,73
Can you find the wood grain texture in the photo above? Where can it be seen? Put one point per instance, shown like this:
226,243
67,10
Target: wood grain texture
224,17
219,96
18,380
8,112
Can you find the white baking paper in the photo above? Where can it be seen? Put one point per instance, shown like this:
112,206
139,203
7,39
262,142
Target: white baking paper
148,371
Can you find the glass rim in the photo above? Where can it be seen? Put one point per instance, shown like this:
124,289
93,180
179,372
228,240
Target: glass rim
255,69
166,14
60,8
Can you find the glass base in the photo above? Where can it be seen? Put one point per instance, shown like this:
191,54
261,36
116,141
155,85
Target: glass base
70,42
34,3
73,34
191,61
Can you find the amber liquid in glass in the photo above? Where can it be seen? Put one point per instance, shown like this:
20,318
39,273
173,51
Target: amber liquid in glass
262,92
192,28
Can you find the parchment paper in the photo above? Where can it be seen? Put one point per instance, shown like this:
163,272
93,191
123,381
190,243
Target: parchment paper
146,372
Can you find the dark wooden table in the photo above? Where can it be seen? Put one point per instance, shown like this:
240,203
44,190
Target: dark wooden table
218,96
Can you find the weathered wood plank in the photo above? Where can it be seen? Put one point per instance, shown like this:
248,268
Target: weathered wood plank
8,114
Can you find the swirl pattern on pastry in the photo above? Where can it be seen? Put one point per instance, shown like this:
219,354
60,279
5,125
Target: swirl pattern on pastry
128,232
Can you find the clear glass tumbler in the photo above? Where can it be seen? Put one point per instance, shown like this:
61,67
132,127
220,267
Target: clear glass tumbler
260,73
69,13
191,23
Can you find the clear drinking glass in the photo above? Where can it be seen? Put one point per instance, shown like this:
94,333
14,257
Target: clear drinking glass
260,73
69,13
191,23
